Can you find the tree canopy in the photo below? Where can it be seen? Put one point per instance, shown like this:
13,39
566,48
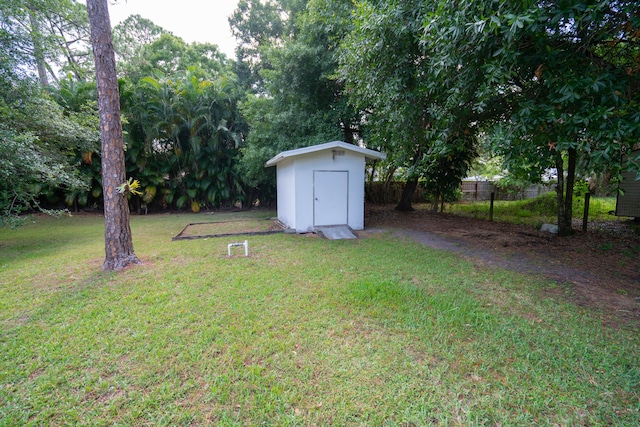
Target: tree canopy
46,35
296,100
564,76
53,125
389,77
40,137
539,84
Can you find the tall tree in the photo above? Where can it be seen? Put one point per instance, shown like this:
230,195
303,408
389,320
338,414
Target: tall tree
39,138
300,101
259,26
48,35
383,63
131,39
388,74
118,238
567,74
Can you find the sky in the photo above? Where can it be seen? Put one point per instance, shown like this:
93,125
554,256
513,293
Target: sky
192,20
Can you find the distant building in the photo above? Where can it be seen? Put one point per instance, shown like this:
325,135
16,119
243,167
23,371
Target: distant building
628,203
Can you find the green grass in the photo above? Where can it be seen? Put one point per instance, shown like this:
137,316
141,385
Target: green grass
536,211
304,331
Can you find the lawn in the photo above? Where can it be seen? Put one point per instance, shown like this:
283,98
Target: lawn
303,332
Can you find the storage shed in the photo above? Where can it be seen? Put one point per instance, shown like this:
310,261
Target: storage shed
628,202
322,185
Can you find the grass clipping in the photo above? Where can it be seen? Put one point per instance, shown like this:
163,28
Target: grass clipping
249,227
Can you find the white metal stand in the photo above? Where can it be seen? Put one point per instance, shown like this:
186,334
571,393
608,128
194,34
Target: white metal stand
245,244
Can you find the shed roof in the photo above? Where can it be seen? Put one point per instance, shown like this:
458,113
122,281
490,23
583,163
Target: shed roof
369,154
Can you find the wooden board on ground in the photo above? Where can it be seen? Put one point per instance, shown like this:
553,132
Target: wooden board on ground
247,227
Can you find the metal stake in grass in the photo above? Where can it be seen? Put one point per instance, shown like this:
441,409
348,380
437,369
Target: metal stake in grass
245,244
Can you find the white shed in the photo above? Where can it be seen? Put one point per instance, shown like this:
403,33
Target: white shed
322,185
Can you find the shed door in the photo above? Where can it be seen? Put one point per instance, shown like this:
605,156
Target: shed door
330,197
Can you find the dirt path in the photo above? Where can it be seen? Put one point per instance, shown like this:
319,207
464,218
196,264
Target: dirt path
602,269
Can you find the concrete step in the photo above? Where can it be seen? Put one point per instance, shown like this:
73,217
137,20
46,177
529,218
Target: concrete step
336,232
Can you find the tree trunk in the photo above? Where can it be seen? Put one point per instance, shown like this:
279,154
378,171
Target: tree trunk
347,131
117,235
565,197
434,203
560,189
387,185
407,195
38,51
567,228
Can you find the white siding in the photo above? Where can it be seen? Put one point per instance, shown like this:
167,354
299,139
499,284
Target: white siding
356,191
305,165
628,204
286,184
295,175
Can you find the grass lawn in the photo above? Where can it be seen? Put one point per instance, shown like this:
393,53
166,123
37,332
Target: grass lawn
303,332
536,211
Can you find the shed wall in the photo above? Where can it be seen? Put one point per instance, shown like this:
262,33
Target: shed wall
286,185
628,204
356,191
301,216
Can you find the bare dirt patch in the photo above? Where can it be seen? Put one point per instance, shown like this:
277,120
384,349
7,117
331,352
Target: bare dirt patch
601,266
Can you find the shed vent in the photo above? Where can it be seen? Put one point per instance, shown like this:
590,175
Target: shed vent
337,153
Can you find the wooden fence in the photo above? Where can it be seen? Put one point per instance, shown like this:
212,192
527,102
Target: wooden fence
481,190
384,193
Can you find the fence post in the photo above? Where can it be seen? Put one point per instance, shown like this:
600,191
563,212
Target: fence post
585,218
491,207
